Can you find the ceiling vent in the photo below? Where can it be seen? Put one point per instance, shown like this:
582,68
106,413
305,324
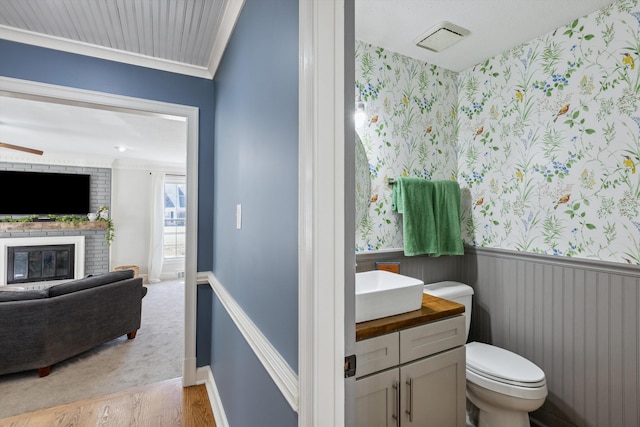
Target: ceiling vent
441,36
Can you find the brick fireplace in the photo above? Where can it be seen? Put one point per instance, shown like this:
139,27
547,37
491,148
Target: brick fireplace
94,256
96,252
51,259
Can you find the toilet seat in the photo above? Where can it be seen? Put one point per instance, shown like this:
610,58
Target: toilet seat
505,372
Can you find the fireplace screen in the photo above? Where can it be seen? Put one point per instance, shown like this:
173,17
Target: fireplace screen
39,263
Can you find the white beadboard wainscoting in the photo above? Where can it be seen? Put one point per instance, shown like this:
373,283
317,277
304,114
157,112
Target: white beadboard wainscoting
578,320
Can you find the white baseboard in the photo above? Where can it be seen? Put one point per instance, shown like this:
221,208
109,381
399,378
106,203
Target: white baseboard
204,376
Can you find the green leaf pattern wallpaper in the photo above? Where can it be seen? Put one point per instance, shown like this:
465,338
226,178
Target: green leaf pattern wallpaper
549,140
410,130
544,139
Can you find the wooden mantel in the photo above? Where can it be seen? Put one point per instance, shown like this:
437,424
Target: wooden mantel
51,225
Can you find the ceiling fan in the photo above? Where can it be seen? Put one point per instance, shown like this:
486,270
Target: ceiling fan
20,148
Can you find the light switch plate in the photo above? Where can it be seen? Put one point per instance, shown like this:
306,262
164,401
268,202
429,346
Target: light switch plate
238,216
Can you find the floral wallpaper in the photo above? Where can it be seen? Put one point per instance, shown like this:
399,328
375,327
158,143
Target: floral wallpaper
549,142
410,130
544,139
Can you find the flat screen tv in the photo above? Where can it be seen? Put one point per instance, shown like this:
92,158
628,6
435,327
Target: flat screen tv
44,193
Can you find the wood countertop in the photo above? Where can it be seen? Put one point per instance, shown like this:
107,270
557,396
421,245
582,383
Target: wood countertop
433,308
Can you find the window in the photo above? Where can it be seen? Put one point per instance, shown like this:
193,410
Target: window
175,215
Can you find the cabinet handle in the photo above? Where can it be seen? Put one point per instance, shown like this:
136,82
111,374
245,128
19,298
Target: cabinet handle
409,410
396,398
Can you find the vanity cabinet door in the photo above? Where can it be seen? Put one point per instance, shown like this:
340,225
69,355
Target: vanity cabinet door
433,390
377,400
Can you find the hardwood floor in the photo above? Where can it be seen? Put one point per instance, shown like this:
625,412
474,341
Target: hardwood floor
164,404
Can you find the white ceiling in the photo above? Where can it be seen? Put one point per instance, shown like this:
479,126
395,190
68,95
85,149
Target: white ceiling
495,25
188,36
83,132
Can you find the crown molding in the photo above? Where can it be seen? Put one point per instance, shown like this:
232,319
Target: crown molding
60,160
81,48
129,164
96,162
221,39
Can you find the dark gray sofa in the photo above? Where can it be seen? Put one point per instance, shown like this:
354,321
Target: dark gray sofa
39,328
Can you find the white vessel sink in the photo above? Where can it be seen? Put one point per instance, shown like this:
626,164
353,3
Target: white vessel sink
381,293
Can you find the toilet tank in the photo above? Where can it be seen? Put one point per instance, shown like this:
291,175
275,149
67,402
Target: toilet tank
453,291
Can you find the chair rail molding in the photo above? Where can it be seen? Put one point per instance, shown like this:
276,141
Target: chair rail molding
278,369
563,261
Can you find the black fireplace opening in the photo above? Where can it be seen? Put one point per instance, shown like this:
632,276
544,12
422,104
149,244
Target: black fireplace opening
40,263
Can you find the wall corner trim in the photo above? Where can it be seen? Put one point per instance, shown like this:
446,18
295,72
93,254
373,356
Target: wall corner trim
278,369
205,376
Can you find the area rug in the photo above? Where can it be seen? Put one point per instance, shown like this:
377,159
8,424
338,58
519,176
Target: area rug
155,354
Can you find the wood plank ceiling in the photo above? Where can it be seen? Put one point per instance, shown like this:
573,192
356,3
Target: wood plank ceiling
181,32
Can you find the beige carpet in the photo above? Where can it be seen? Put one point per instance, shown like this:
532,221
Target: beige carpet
154,355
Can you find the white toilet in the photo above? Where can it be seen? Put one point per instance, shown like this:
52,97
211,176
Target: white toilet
504,386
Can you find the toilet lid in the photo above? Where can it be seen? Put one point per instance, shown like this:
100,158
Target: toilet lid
503,366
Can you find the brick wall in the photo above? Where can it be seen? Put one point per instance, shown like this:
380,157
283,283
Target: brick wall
96,249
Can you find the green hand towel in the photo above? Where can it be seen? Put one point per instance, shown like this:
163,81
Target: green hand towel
413,199
430,216
446,211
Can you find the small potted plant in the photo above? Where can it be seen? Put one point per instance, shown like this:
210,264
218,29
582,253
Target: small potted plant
103,215
103,212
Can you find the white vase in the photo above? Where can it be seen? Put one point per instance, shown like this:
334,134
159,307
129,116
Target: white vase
104,214
92,216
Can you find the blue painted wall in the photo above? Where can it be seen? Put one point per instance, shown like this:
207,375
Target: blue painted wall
38,64
256,165
249,396
204,325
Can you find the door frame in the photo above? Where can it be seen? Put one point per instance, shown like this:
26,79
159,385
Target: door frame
102,100
325,268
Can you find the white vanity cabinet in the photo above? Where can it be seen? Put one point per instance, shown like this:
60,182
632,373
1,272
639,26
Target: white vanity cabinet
413,377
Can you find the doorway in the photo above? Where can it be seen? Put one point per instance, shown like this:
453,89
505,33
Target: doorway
102,101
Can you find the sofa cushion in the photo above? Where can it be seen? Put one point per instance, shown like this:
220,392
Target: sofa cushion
20,295
89,282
